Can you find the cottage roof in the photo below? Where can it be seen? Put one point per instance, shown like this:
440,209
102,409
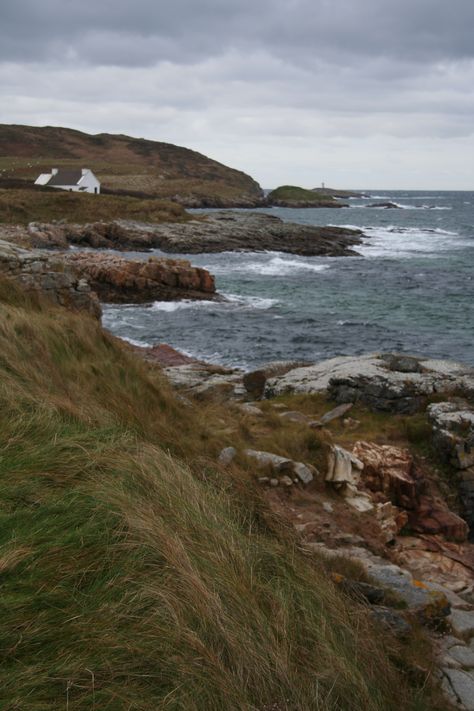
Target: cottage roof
65,177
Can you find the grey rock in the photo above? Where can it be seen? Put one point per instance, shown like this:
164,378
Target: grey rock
334,414
463,655
462,684
202,380
227,455
265,459
294,416
392,619
303,472
431,607
367,379
453,431
403,363
462,623
244,231
281,465
251,410
254,381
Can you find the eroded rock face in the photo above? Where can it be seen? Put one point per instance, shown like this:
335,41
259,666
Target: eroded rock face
383,382
453,431
120,280
49,277
391,471
453,435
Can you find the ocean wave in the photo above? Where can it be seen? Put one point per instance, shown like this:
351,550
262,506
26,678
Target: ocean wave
171,306
231,301
400,206
254,302
134,342
275,266
403,242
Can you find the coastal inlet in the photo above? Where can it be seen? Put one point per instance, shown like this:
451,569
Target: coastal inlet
411,289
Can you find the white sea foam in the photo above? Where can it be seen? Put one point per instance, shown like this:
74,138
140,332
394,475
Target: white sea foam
231,301
134,342
274,265
403,242
253,302
170,306
401,206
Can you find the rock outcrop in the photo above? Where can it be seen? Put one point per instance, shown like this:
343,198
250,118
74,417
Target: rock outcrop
453,436
385,383
219,232
41,274
392,472
119,280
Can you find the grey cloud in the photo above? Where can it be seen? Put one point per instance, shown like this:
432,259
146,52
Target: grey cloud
145,31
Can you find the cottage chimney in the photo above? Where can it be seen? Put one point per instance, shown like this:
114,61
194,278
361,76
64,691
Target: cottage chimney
54,171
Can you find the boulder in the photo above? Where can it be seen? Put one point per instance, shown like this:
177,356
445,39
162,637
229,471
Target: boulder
227,456
254,381
335,414
281,465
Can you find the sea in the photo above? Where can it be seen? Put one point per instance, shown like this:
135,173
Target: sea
410,290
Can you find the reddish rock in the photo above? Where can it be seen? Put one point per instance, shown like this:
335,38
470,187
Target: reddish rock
119,280
389,470
433,516
392,472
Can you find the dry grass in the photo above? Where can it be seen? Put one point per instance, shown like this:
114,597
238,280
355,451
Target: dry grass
23,206
136,574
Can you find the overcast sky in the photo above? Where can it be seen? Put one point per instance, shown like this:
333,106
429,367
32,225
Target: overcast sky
356,93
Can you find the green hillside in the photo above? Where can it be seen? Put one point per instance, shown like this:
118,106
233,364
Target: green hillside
135,165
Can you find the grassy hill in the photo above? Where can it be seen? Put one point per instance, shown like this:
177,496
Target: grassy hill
138,575
121,162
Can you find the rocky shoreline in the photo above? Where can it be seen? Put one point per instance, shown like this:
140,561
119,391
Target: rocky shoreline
217,232
77,280
126,281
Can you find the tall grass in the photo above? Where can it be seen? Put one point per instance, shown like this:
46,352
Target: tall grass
136,575
23,206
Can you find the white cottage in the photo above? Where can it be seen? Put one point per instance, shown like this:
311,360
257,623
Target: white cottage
78,180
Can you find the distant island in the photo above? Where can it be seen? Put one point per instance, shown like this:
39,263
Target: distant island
294,196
